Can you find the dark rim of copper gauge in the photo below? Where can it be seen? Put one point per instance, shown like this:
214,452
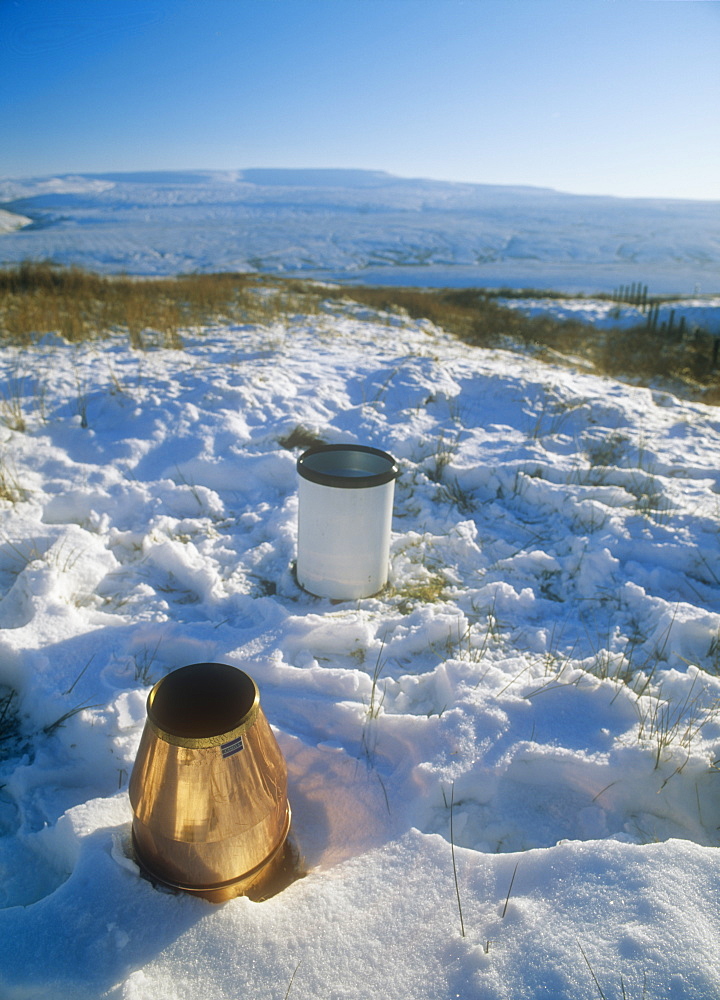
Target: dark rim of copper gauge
203,705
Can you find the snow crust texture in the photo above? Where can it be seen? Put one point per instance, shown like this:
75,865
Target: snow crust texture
541,677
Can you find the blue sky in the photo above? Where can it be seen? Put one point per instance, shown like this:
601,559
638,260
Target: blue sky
614,97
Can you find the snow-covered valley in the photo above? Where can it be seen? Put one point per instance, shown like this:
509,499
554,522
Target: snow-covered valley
363,225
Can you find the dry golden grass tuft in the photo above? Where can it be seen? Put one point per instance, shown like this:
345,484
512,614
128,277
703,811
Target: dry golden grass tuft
41,298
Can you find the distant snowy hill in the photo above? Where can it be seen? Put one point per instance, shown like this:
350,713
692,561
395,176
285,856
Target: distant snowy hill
362,225
10,221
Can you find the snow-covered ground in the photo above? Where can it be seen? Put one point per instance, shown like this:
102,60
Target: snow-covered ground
364,226
698,313
546,659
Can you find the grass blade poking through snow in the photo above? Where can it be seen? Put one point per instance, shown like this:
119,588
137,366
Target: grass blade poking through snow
507,898
452,851
592,972
292,978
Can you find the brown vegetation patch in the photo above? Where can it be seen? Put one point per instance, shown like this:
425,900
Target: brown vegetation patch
39,298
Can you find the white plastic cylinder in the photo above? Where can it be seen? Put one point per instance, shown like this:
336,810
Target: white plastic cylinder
345,503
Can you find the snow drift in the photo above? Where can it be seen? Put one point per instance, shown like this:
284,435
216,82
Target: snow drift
541,676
